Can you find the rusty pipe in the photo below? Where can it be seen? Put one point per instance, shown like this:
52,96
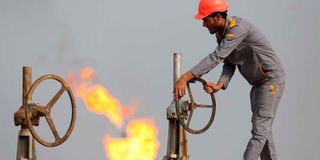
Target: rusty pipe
26,84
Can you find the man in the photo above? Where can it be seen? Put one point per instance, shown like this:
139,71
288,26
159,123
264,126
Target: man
242,45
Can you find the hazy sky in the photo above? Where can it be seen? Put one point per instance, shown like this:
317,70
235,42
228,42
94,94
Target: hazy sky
130,45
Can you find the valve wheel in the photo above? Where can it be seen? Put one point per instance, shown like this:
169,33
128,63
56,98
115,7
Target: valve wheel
185,121
46,110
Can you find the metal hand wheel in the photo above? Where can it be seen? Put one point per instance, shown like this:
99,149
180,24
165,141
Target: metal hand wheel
191,106
45,111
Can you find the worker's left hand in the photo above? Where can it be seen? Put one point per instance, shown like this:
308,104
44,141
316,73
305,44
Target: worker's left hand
212,87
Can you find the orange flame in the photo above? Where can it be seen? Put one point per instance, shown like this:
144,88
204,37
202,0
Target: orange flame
140,142
97,98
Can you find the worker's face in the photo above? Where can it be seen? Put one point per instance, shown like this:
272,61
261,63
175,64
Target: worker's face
214,24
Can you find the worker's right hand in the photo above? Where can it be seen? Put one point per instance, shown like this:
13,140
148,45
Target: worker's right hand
181,84
179,88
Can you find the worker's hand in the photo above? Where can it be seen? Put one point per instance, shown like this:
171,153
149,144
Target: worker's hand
179,88
181,84
212,87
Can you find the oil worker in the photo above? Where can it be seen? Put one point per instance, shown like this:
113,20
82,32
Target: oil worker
242,45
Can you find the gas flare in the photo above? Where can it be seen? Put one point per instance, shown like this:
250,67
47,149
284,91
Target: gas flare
140,142
140,139
96,97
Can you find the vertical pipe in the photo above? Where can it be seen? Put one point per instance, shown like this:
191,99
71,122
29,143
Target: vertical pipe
173,144
176,67
26,144
181,138
176,76
26,84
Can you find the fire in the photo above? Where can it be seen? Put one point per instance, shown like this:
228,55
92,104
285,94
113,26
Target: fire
97,98
140,141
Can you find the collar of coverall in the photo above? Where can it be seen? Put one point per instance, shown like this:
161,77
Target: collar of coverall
226,26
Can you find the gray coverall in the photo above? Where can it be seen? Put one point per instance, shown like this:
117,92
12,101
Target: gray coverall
244,46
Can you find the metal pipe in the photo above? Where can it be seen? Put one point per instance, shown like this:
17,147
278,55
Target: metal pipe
177,142
176,67
26,145
176,75
26,84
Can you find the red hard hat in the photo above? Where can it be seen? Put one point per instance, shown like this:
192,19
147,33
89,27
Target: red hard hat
206,7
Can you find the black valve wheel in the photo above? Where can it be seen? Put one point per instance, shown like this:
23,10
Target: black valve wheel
45,111
192,105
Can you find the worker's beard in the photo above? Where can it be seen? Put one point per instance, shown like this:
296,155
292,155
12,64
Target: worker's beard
211,31
218,30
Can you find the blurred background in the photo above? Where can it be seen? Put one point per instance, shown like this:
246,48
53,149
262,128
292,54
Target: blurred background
129,47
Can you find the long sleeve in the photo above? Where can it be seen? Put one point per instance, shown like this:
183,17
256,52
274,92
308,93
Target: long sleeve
234,36
227,73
